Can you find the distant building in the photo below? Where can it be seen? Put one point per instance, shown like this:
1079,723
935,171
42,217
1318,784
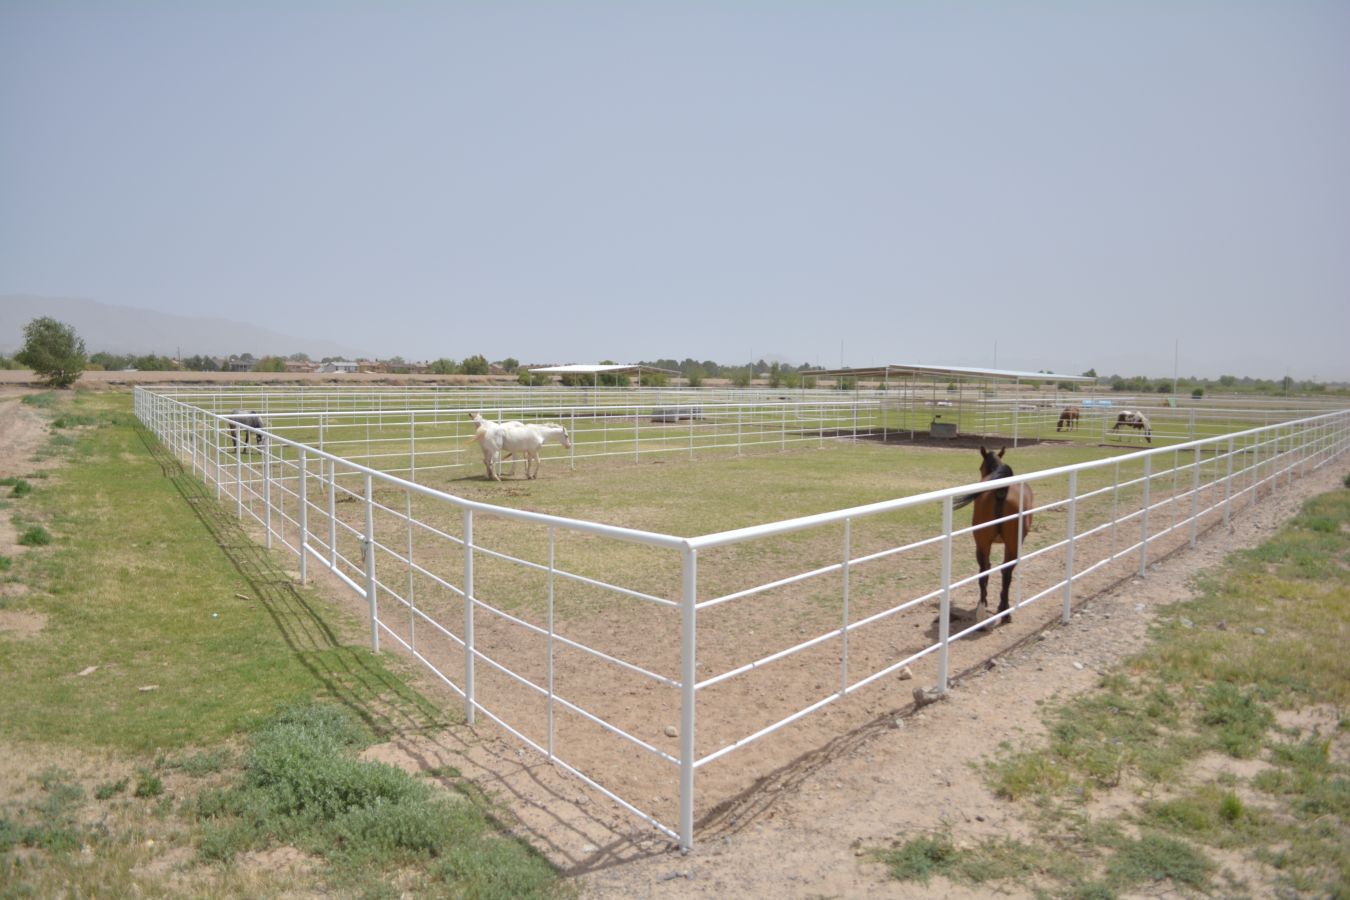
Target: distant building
339,365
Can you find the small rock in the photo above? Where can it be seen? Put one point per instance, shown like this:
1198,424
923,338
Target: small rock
589,848
979,818
88,670
905,674
1222,626
1258,631
924,697
145,689
898,723
672,731
1077,665
1186,623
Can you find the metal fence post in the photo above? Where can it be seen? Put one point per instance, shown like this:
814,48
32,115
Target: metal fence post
688,636
304,518
1143,529
220,476
238,482
1228,485
1195,499
550,640
332,514
843,660
267,494
469,697
945,605
1071,528
370,568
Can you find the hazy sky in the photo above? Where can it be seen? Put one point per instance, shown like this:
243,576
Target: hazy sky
1075,184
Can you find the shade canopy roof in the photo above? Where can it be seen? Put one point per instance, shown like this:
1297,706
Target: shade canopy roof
600,369
949,372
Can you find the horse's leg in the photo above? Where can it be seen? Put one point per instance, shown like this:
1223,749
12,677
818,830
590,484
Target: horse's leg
982,560
1010,550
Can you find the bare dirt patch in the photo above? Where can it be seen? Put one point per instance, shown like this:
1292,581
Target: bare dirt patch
20,624
22,431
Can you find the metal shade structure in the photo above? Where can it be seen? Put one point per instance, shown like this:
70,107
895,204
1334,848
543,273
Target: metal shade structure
915,371
595,370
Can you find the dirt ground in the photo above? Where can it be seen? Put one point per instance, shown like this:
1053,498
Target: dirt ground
798,831
800,808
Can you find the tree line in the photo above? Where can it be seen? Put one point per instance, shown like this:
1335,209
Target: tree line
57,354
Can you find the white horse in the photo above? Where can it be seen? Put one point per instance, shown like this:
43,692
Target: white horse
511,438
1136,420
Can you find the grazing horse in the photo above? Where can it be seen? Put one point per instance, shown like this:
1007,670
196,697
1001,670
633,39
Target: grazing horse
1136,420
247,421
1000,516
528,443
510,438
1067,419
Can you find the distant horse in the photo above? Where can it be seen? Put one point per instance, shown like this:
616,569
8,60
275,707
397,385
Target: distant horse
247,421
498,439
1067,419
1000,516
1136,420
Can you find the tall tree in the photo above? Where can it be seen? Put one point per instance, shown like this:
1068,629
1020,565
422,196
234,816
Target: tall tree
53,350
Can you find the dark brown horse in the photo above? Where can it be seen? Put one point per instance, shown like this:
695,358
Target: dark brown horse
1067,419
1007,512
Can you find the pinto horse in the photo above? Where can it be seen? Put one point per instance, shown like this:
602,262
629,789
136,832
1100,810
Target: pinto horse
1002,515
1136,420
1067,419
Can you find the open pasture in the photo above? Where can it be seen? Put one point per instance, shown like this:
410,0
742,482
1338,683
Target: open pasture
645,620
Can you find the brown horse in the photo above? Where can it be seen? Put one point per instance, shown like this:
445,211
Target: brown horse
1007,512
1067,419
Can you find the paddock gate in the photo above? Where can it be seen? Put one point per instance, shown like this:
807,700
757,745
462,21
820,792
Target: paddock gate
638,660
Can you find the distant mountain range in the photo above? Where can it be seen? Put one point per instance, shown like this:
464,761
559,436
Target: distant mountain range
127,330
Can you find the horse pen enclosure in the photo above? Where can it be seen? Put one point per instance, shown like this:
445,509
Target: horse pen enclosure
641,618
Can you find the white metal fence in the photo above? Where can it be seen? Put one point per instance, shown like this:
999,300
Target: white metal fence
563,631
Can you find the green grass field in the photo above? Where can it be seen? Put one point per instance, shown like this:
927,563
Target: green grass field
141,719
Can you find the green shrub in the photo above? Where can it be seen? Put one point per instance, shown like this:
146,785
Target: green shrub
41,401
111,789
21,488
148,784
35,536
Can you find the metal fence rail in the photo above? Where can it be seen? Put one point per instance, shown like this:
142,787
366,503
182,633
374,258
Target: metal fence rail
485,596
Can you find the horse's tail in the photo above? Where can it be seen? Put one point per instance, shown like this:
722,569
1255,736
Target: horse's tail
1000,496
966,500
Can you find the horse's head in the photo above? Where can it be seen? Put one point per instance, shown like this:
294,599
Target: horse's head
566,438
992,464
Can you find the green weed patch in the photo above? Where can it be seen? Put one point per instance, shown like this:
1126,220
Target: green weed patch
1265,634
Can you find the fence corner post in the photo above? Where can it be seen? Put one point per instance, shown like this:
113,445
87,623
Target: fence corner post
688,637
